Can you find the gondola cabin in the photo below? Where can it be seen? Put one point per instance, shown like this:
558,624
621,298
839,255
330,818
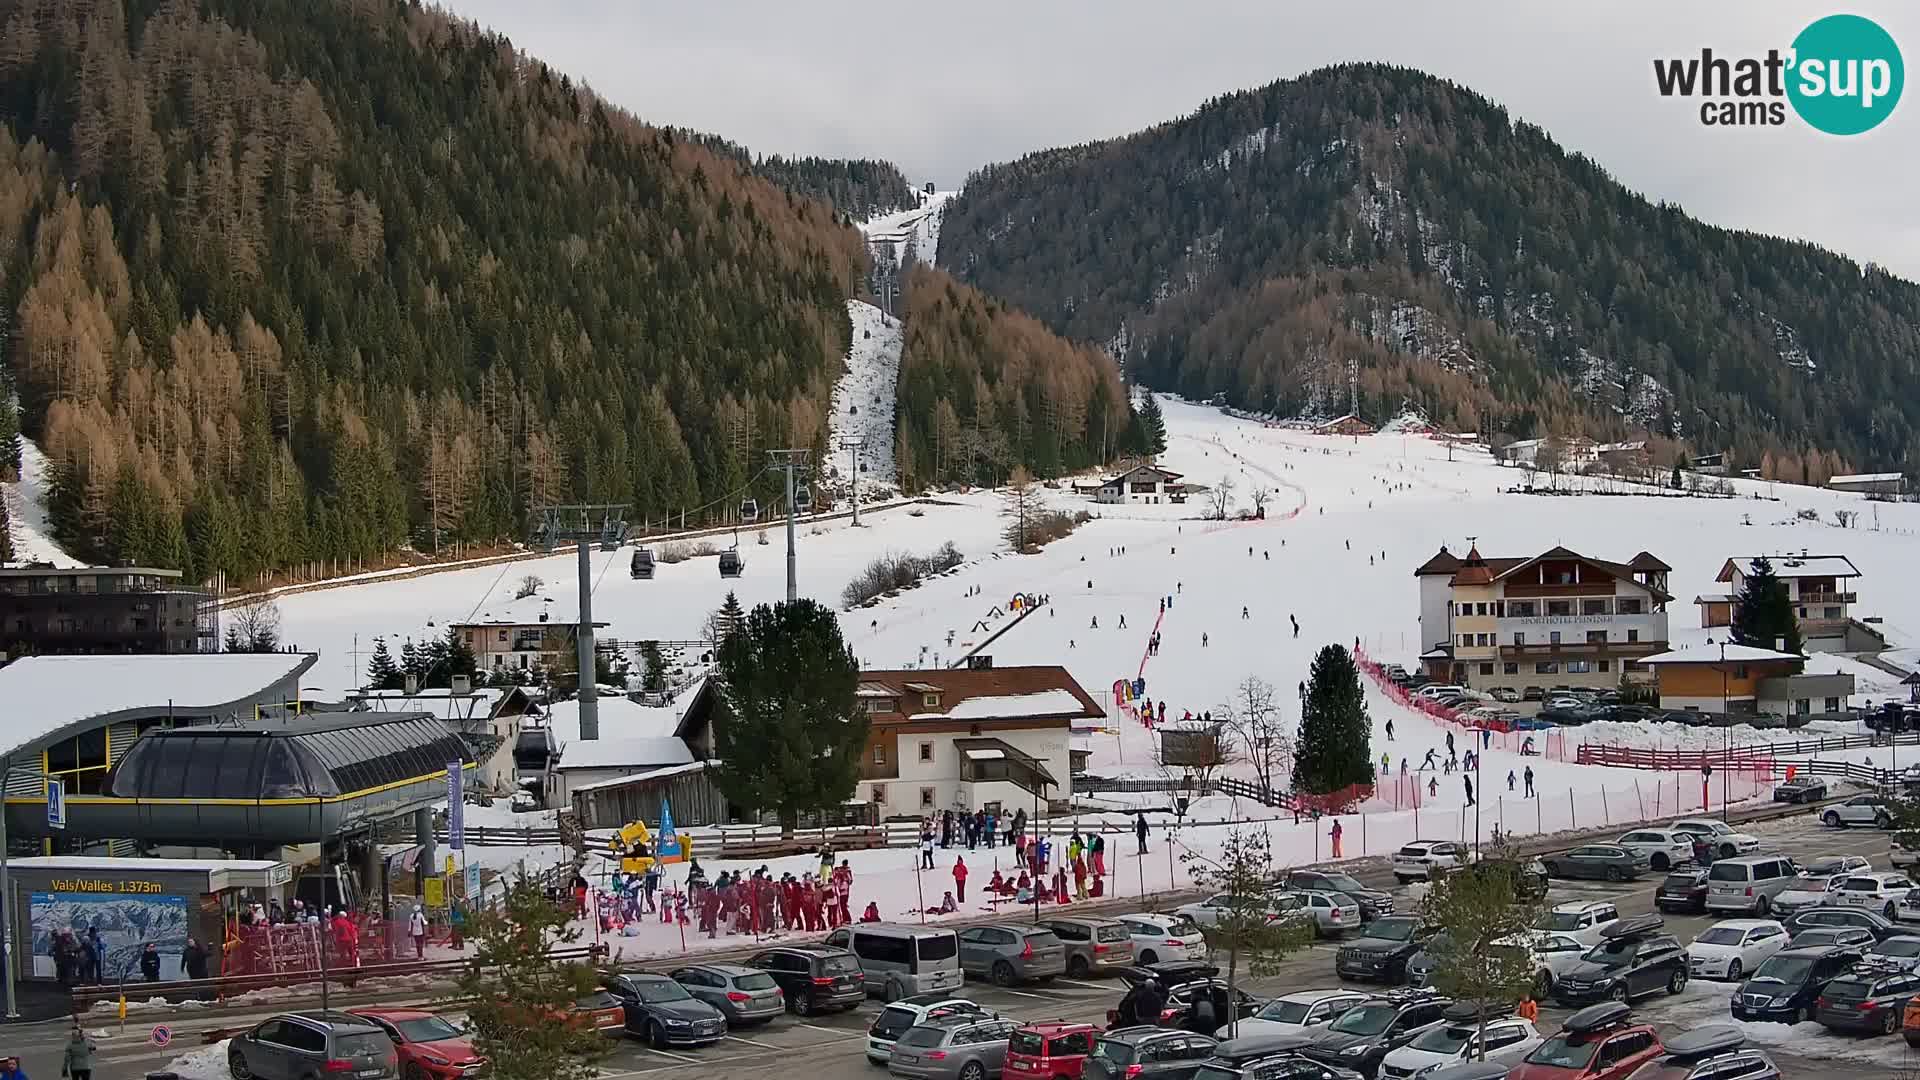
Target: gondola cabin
749,510
731,564
642,567
803,501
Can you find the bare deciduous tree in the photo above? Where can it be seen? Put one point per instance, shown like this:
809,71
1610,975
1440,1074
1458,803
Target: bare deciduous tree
253,626
1194,752
529,585
1220,499
1022,504
1253,720
1260,495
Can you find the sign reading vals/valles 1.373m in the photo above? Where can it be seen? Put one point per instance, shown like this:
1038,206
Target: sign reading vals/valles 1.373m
456,814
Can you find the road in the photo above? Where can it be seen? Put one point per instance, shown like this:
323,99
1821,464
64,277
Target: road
830,1047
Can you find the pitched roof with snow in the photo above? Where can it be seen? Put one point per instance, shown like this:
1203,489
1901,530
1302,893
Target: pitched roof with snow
46,694
627,753
1001,693
1163,474
1624,571
1711,654
1865,478
1792,566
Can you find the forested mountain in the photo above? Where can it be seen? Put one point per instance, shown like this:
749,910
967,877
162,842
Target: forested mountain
983,388
1375,233
296,281
860,188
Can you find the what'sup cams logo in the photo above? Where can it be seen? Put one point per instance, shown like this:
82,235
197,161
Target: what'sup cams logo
1842,76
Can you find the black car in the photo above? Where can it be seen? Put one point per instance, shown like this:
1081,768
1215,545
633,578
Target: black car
292,1046
1786,987
1373,902
1634,957
1873,922
1270,1057
1596,862
1381,952
814,977
1148,1053
1376,1027
1204,1006
1867,999
661,1011
1529,877
1851,937
1682,891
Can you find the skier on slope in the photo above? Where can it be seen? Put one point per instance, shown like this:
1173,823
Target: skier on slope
1123,620
1203,640
1296,625
1243,612
1428,763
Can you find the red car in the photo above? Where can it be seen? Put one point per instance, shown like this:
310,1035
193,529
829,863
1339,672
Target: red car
1050,1051
1600,1042
430,1047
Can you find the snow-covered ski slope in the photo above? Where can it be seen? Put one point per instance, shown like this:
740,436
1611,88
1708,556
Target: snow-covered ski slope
863,401
920,226
27,511
1394,499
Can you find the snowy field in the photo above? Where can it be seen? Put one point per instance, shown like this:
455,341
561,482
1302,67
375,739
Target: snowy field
1347,521
863,402
27,510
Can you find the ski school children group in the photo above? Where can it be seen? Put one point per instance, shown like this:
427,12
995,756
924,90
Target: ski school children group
1085,861
742,904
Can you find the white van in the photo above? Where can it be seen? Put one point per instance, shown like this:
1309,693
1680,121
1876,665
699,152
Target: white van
1748,884
902,961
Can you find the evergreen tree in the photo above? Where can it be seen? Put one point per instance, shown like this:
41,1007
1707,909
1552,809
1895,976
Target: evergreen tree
456,658
513,989
725,619
1153,427
654,677
1334,747
6,533
382,672
786,726
412,662
1763,614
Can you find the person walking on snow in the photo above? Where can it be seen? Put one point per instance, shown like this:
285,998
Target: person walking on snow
1389,729
1449,744
1335,833
1529,779
417,930
1509,779
926,849
1468,780
1140,830
960,879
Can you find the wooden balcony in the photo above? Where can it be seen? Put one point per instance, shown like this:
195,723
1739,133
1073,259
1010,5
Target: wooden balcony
1606,649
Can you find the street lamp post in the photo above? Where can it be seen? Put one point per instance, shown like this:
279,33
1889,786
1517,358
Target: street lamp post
1726,732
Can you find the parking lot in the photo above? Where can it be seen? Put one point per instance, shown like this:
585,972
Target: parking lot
831,1047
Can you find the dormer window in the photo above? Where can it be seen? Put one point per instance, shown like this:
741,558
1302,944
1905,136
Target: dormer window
931,701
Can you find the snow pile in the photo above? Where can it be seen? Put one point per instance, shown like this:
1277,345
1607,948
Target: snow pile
27,511
202,1063
625,753
1041,703
863,402
1411,421
918,228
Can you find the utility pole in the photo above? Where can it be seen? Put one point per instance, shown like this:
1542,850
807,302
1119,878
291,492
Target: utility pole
582,524
852,444
6,899
789,461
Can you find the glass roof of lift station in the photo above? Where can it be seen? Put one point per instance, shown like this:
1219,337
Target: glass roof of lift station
325,756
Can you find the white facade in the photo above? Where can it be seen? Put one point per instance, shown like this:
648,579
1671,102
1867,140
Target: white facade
930,770
1144,484
1436,602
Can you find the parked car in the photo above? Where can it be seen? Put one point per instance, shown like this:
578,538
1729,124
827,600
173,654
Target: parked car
1381,952
1800,789
1055,1050
1900,953
1205,1005
1715,1052
1872,922
600,1010
1364,1035
1420,966
1527,878
1147,1053
814,978
744,995
428,1045
1298,1012
1729,949
295,1046
1899,854
1787,987
662,1012
1373,902
1815,884
1721,840
1165,937
1533,693
899,1017
1748,883
1434,690
1596,862
953,1048
1277,906
1635,957
1459,1039
1418,860
1662,848
1600,1042
897,961
1269,1057
1333,914
1870,810
1867,999
1011,953
1879,891
1094,946
1851,937
1583,921
1505,694
1682,891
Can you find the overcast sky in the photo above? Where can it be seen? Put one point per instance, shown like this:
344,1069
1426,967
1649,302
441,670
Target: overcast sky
942,88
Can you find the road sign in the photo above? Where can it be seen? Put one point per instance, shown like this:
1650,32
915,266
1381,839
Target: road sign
456,808
56,804
436,892
473,880
161,1035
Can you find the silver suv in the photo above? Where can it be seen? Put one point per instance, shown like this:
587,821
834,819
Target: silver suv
953,1048
295,1046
